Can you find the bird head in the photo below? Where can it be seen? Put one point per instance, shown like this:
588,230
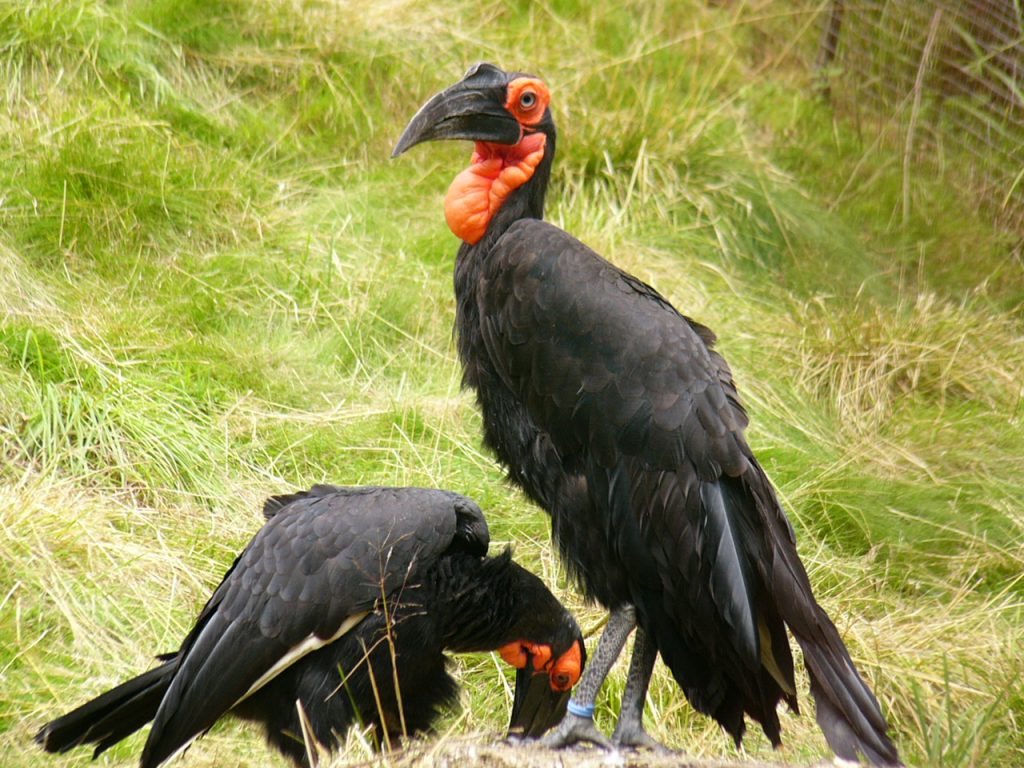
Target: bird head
548,654
507,114
544,682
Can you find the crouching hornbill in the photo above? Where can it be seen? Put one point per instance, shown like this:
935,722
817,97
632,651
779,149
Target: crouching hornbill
615,414
337,613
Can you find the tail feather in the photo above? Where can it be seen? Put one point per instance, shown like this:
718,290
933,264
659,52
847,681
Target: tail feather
847,740
111,716
846,709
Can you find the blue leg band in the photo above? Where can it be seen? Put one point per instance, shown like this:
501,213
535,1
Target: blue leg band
579,710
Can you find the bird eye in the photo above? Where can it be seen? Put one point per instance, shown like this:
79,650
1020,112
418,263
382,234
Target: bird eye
562,681
528,100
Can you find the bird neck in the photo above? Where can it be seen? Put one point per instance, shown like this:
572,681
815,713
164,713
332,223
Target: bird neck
524,202
481,603
504,183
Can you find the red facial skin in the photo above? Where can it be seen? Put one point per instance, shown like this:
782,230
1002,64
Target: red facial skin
563,672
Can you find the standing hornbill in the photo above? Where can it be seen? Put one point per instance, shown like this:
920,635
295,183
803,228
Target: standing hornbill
342,606
614,413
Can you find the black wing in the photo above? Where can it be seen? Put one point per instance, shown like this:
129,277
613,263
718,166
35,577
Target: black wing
312,572
634,396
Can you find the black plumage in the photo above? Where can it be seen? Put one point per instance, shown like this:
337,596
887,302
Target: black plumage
341,593
615,413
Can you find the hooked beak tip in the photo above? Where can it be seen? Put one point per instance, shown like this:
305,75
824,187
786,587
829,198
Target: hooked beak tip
401,146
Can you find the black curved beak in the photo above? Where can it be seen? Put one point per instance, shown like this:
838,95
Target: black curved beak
473,109
536,707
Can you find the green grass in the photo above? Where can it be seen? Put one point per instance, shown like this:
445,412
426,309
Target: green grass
216,286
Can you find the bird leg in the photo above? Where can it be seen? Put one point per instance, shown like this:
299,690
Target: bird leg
578,725
629,731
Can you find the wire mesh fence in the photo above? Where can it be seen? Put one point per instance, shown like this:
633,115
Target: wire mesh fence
944,79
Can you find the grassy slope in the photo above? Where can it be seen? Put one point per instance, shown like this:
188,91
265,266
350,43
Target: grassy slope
216,286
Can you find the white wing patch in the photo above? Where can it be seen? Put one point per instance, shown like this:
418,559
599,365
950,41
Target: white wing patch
307,646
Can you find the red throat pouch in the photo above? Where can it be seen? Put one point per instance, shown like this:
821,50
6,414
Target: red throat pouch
495,172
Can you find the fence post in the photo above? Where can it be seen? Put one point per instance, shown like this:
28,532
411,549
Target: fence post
827,47
908,150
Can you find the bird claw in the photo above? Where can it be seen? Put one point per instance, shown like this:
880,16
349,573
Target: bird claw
633,736
572,730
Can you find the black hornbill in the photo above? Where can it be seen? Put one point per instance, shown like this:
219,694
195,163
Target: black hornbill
615,414
342,606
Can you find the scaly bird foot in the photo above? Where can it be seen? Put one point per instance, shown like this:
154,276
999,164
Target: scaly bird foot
633,736
572,730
